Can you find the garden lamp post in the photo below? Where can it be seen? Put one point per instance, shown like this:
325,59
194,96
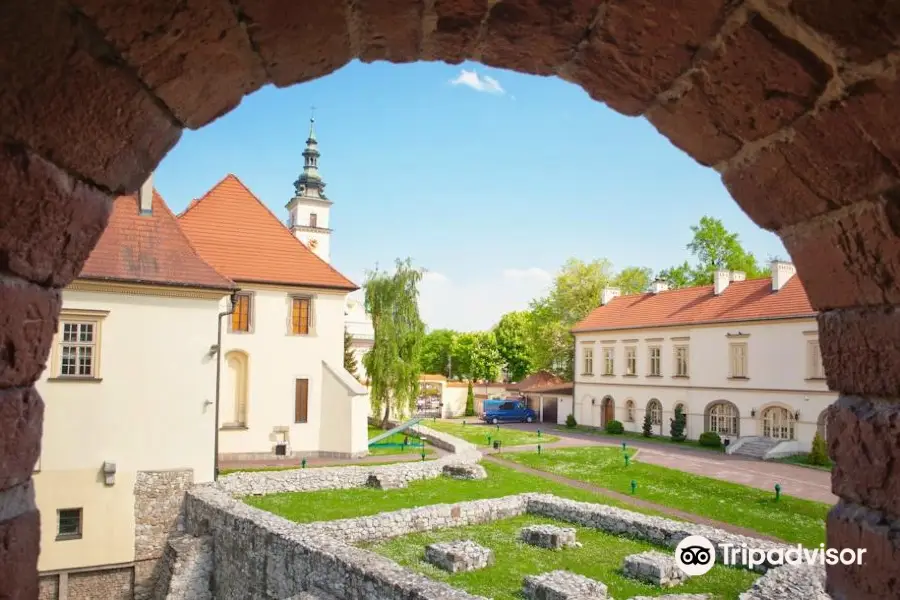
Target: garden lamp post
229,311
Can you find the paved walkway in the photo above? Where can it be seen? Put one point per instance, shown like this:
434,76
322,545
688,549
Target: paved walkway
800,482
626,499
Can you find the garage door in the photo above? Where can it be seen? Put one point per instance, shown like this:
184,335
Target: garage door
551,407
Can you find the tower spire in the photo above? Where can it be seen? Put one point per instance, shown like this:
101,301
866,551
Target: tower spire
310,184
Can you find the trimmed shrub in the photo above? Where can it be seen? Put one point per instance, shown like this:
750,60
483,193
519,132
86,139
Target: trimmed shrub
470,402
648,425
570,421
615,427
677,425
819,453
710,439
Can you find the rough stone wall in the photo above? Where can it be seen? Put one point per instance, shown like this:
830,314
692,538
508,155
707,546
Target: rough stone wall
793,101
111,584
158,498
49,588
445,441
186,569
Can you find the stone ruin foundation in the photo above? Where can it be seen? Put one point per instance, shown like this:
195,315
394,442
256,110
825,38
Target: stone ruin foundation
465,471
549,536
562,585
654,568
460,556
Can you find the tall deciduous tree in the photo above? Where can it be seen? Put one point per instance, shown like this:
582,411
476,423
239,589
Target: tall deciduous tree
717,248
514,343
349,354
486,360
633,280
461,352
679,276
436,351
393,363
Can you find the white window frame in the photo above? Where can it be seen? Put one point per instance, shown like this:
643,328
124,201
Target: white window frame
81,320
723,419
815,368
737,358
631,360
587,360
609,361
629,410
654,353
682,360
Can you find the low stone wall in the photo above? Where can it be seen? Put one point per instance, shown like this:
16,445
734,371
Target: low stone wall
444,441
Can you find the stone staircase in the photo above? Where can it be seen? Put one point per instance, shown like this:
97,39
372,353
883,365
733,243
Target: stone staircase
756,447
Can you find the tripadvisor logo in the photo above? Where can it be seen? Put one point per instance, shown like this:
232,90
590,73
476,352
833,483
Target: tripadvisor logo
696,555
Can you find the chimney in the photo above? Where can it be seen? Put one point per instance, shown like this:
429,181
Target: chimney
738,276
660,285
782,271
721,279
607,295
145,196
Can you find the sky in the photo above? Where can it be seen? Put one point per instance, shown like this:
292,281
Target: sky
487,178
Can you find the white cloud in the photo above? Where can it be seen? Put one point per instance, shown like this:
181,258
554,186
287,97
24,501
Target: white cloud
434,276
532,274
479,83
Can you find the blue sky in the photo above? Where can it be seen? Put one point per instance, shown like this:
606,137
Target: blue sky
490,183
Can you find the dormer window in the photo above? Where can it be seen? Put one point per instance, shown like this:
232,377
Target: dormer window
313,220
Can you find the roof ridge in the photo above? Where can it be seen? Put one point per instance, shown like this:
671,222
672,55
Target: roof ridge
711,286
186,239
196,201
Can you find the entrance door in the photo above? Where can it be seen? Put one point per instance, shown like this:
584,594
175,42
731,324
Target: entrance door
778,423
609,410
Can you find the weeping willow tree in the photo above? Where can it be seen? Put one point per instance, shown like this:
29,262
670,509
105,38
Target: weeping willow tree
392,364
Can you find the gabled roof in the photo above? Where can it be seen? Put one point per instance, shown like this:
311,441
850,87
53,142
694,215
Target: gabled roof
536,380
237,234
150,248
741,301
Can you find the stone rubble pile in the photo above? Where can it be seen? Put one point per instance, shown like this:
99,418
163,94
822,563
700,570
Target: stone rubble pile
802,582
465,471
548,536
562,585
456,557
654,568
385,481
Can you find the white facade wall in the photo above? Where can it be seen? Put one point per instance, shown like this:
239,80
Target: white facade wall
780,365
301,219
275,359
147,408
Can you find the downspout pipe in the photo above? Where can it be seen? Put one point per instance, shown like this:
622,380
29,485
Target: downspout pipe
222,315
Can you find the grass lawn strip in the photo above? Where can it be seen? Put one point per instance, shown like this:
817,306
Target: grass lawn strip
791,519
800,461
630,436
477,433
328,505
600,558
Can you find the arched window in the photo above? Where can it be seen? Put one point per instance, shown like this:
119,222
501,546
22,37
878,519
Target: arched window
236,386
822,424
723,418
655,409
778,423
629,411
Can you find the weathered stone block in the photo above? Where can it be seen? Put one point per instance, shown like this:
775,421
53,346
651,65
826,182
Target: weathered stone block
806,582
859,350
455,31
21,418
19,547
388,29
865,29
385,481
465,471
548,536
654,568
28,322
563,585
456,557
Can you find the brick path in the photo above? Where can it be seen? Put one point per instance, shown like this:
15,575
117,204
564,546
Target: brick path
800,482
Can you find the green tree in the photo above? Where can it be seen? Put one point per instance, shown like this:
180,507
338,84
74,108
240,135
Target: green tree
514,343
485,361
648,425
436,351
678,277
393,363
349,355
461,351
633,280
677,425
717,248
470,402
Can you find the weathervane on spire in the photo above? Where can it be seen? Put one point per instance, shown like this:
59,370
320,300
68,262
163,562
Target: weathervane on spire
312,110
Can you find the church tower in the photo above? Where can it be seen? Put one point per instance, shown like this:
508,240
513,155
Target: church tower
308,210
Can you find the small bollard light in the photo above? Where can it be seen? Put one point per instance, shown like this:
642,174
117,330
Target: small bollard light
539,448
423,456
489,439
498,427
464,422
539,434
626,460
777,491
623,446
633,486
303,464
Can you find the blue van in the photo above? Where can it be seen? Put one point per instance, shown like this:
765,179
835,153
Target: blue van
509,411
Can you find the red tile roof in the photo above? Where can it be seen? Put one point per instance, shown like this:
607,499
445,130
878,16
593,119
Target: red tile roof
148,249
564,389
237,234
741,301
540,379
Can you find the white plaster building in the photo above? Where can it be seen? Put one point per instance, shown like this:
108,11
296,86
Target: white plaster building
741,357
128,392
284,389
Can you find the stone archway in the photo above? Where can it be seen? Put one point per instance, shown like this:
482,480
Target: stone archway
794,105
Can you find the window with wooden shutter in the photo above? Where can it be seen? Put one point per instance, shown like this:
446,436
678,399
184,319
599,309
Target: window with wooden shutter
738,360
240,318
301,400
301,314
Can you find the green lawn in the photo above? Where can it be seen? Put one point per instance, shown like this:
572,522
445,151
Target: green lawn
477,433
791,519
414,447
800,460
599,558
341,504
638,437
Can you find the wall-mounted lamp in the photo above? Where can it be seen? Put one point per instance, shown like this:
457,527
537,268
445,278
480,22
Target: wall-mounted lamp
109,473
797,415
593,401
752,412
